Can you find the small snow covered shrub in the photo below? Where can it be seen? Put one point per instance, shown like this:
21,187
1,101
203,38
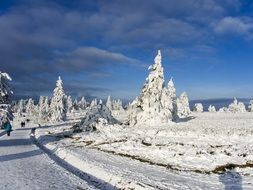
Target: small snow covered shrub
212,109
198,107
223,110
95,118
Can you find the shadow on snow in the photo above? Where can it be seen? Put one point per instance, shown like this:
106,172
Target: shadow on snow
231,180
20,155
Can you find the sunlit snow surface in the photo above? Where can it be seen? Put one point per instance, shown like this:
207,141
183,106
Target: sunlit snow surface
169,156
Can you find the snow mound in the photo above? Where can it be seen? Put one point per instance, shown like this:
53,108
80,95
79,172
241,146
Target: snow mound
96,117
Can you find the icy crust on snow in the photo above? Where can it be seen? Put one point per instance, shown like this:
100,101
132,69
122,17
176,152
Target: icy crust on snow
202,144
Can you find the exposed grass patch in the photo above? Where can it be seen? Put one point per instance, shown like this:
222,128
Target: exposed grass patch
230,166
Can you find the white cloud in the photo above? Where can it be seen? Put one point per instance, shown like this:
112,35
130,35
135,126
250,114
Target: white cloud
242,26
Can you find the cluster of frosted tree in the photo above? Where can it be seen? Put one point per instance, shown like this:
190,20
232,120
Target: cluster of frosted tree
56,108
5,98
157,103
234,107
45,110
114,105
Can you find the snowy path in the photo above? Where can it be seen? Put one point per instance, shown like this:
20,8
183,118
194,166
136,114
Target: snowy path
24,166
155,177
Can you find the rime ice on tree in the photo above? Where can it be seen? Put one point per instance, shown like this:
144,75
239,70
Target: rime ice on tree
30,107
212,109
109,102
69,104
58,103
198,107
43,109
250,108
5,97
183,108
237,107
153,106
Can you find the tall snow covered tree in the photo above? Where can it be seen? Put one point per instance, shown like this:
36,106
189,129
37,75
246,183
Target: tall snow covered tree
109,103
148,108
58,103
5,97
183,107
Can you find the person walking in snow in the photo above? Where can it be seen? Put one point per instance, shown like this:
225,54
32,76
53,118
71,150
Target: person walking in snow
8,128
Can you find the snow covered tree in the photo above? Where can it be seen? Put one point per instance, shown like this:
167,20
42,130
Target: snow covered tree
183,107
5,97
168,98
94,103
43,109
69,105
198,107
109,102
212,109
30,107
75,105
237,107
5,90
250,108
117,105
82,104
148,108
21,108
58,103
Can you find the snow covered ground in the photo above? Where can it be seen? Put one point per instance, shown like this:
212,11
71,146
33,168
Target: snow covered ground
24,166
207,150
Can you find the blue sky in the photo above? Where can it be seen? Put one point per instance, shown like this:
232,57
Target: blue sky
103,48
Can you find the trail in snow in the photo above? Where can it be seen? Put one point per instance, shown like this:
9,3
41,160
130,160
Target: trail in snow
24,166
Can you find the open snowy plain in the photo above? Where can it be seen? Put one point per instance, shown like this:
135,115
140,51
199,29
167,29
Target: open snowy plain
203,151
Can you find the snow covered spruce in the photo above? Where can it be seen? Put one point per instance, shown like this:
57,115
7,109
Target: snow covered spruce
58,103
157,103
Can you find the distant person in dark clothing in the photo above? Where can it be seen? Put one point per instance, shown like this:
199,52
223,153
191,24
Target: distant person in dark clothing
8,128
22,124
